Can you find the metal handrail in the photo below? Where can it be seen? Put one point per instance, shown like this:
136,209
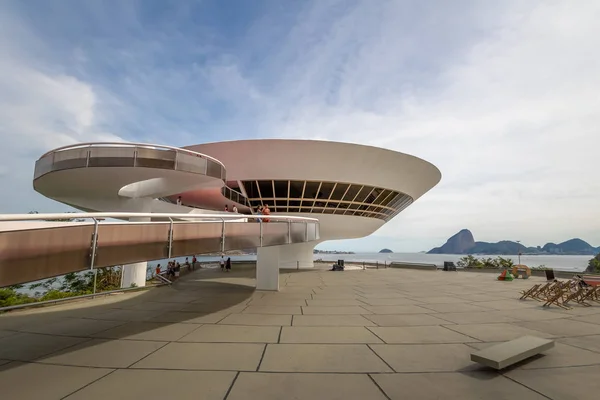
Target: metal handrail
120,215
130,144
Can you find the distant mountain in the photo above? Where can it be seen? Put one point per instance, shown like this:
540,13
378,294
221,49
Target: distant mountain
464,243
385,251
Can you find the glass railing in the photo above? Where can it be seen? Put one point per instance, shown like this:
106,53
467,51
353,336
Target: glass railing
114,154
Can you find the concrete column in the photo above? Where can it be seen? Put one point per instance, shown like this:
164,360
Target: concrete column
267,268
297,254
135,273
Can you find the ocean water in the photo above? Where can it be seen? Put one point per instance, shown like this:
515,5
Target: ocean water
564,263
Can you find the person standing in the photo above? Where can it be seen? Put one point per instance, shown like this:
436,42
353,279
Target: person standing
179,201
226,208
228,264
266,211
222,263
234,209
158,269
194,261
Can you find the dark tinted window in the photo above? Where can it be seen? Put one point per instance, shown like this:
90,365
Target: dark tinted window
281,189
362,196
266,188
339,191
251,189
325,190
352,192
311,190
296,189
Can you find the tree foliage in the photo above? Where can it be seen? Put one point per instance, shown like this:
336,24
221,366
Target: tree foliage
69,285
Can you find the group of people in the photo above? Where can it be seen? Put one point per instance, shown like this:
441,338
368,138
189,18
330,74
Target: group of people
174,267
263,210
225,265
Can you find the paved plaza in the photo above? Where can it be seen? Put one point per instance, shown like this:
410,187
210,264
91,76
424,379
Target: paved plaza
374,334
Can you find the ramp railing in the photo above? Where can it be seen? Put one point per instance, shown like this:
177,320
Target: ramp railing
34,248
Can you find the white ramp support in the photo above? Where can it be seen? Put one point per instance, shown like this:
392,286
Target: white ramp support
506,354
267,268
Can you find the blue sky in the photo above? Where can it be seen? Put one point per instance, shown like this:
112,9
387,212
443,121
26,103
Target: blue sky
501,96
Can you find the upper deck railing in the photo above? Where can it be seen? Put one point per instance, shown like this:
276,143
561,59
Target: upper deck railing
117,154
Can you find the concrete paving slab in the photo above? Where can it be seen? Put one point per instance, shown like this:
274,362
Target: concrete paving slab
398,301
321,358
425,357
205,356
576,383
155,331
559,327
464,386
588,319
563,355
442,300
408,309
4,334
39,381
126,315
591,342
474,317
73,327
264,386
331,320
156,306
529,314
189,317
213,308
104,353
257,319
327,334
508,304
272,301
454,307
148,384
419,334
31,346
233,334
339,310
475,297
333,302
499,332
335,296
285,310
406,320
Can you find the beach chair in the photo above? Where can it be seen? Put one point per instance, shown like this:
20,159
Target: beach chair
592,294
541,294
578,296
530,292
556,297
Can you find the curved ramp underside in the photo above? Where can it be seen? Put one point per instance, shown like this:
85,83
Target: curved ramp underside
35,250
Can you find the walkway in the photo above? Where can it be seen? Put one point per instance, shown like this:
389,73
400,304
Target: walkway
375,334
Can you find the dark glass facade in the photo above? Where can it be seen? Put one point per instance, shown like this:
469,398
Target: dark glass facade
326,198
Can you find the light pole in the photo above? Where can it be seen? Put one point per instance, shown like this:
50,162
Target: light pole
519,250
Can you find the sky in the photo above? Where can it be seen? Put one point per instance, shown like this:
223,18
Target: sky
503,97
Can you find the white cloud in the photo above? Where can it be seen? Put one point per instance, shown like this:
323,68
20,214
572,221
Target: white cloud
501,96
511,118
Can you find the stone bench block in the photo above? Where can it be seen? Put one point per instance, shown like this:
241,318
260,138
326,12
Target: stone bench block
505,354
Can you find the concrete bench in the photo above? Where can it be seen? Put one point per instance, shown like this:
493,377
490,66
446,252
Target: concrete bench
505,354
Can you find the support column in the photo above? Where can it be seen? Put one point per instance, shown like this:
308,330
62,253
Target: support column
135,273
267,268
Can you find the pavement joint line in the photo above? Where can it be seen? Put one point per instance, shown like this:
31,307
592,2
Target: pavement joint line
231,386
379,387
378,337
381,358
261,357
527,387
147,355
279,337
88,384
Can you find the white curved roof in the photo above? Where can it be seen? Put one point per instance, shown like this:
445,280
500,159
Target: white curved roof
288,159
